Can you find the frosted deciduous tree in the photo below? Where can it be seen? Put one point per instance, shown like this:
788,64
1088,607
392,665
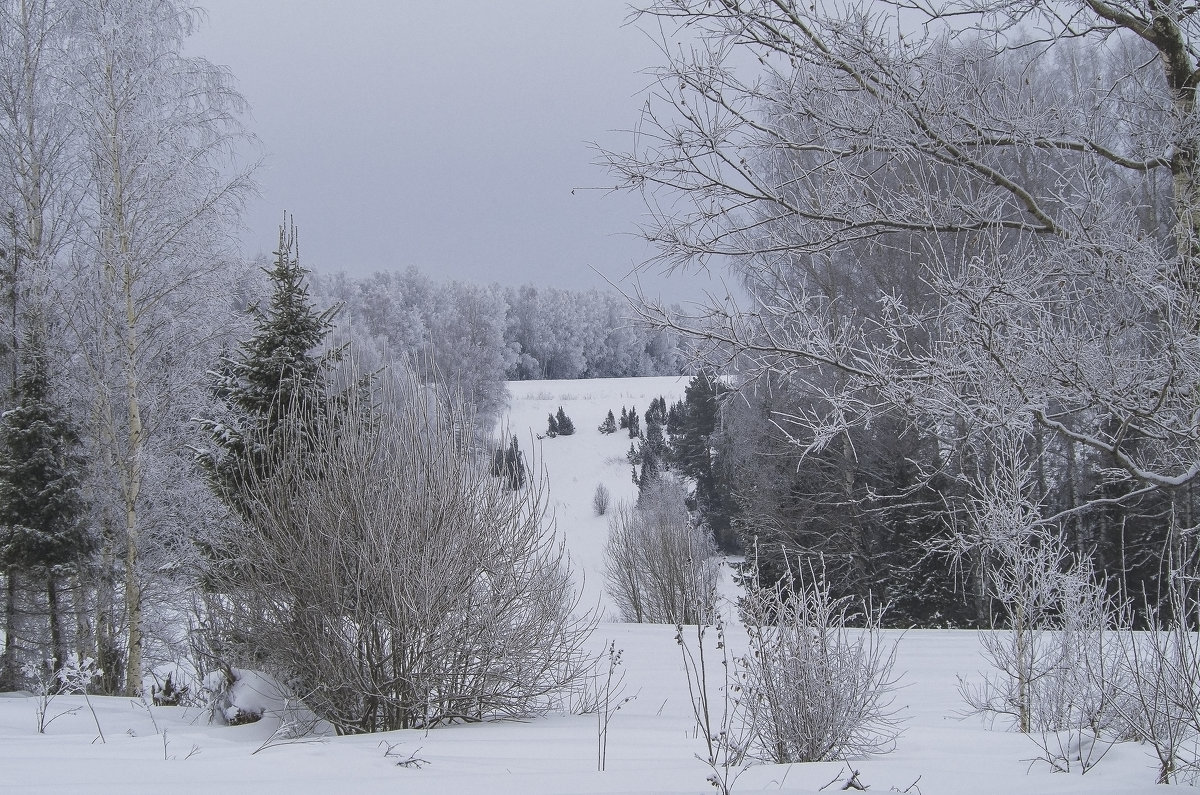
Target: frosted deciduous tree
1027,170
161,190
37,166
466,347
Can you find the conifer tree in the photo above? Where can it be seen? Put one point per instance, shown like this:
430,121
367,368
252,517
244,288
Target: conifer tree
280,370
508,463
624,423
650,473
41,505
552,427
565,426
635,425
655,440
609,425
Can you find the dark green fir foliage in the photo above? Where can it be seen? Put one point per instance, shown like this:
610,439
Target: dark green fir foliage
609,425
509,463
655,441
551,426
41,505
634,455
634,424
696,449
623,424
565,426
279,372
657,413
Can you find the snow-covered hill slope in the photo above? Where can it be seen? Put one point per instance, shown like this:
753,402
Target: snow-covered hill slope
574,465
652,740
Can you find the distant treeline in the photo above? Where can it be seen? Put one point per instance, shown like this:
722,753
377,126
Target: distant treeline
478,336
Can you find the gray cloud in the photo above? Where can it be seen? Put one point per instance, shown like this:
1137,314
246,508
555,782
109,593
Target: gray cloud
445,135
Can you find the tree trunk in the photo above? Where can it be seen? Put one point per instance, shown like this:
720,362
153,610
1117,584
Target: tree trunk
56,644
8,663
133,590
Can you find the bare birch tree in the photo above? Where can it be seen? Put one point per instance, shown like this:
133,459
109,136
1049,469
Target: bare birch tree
158,133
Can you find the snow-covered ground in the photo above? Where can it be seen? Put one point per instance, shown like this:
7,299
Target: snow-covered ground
651,743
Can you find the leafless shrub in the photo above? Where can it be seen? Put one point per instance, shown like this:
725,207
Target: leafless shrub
601,499
659,568
817,684
1160,688
1057,675
389,580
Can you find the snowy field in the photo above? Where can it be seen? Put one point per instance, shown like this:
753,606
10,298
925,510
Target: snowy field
651,743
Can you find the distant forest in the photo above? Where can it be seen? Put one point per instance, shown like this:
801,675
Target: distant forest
478,336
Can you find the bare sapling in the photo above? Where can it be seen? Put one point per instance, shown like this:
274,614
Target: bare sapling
1159,688
718,720
818,683
610,698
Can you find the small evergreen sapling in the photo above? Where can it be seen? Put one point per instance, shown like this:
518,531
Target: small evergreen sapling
565,426
552,427
508,463
609,425
624,424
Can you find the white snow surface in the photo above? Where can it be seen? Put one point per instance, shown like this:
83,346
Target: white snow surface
652,742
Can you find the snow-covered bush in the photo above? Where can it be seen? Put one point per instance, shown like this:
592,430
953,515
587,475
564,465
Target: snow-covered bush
659,567
389,580
817,683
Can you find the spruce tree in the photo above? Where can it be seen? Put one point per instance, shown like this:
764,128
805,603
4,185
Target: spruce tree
655,440
41,504
624,423
650,473
279,371
508,463
609,425
514,466
696,448
552,427
565,426
635,425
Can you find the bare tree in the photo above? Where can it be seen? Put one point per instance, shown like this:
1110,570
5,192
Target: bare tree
390,577
659,567
1032,168
159,133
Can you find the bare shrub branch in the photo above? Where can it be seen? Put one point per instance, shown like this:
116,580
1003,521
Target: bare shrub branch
390,580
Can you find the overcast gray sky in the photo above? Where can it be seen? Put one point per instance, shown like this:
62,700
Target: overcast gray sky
445,135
